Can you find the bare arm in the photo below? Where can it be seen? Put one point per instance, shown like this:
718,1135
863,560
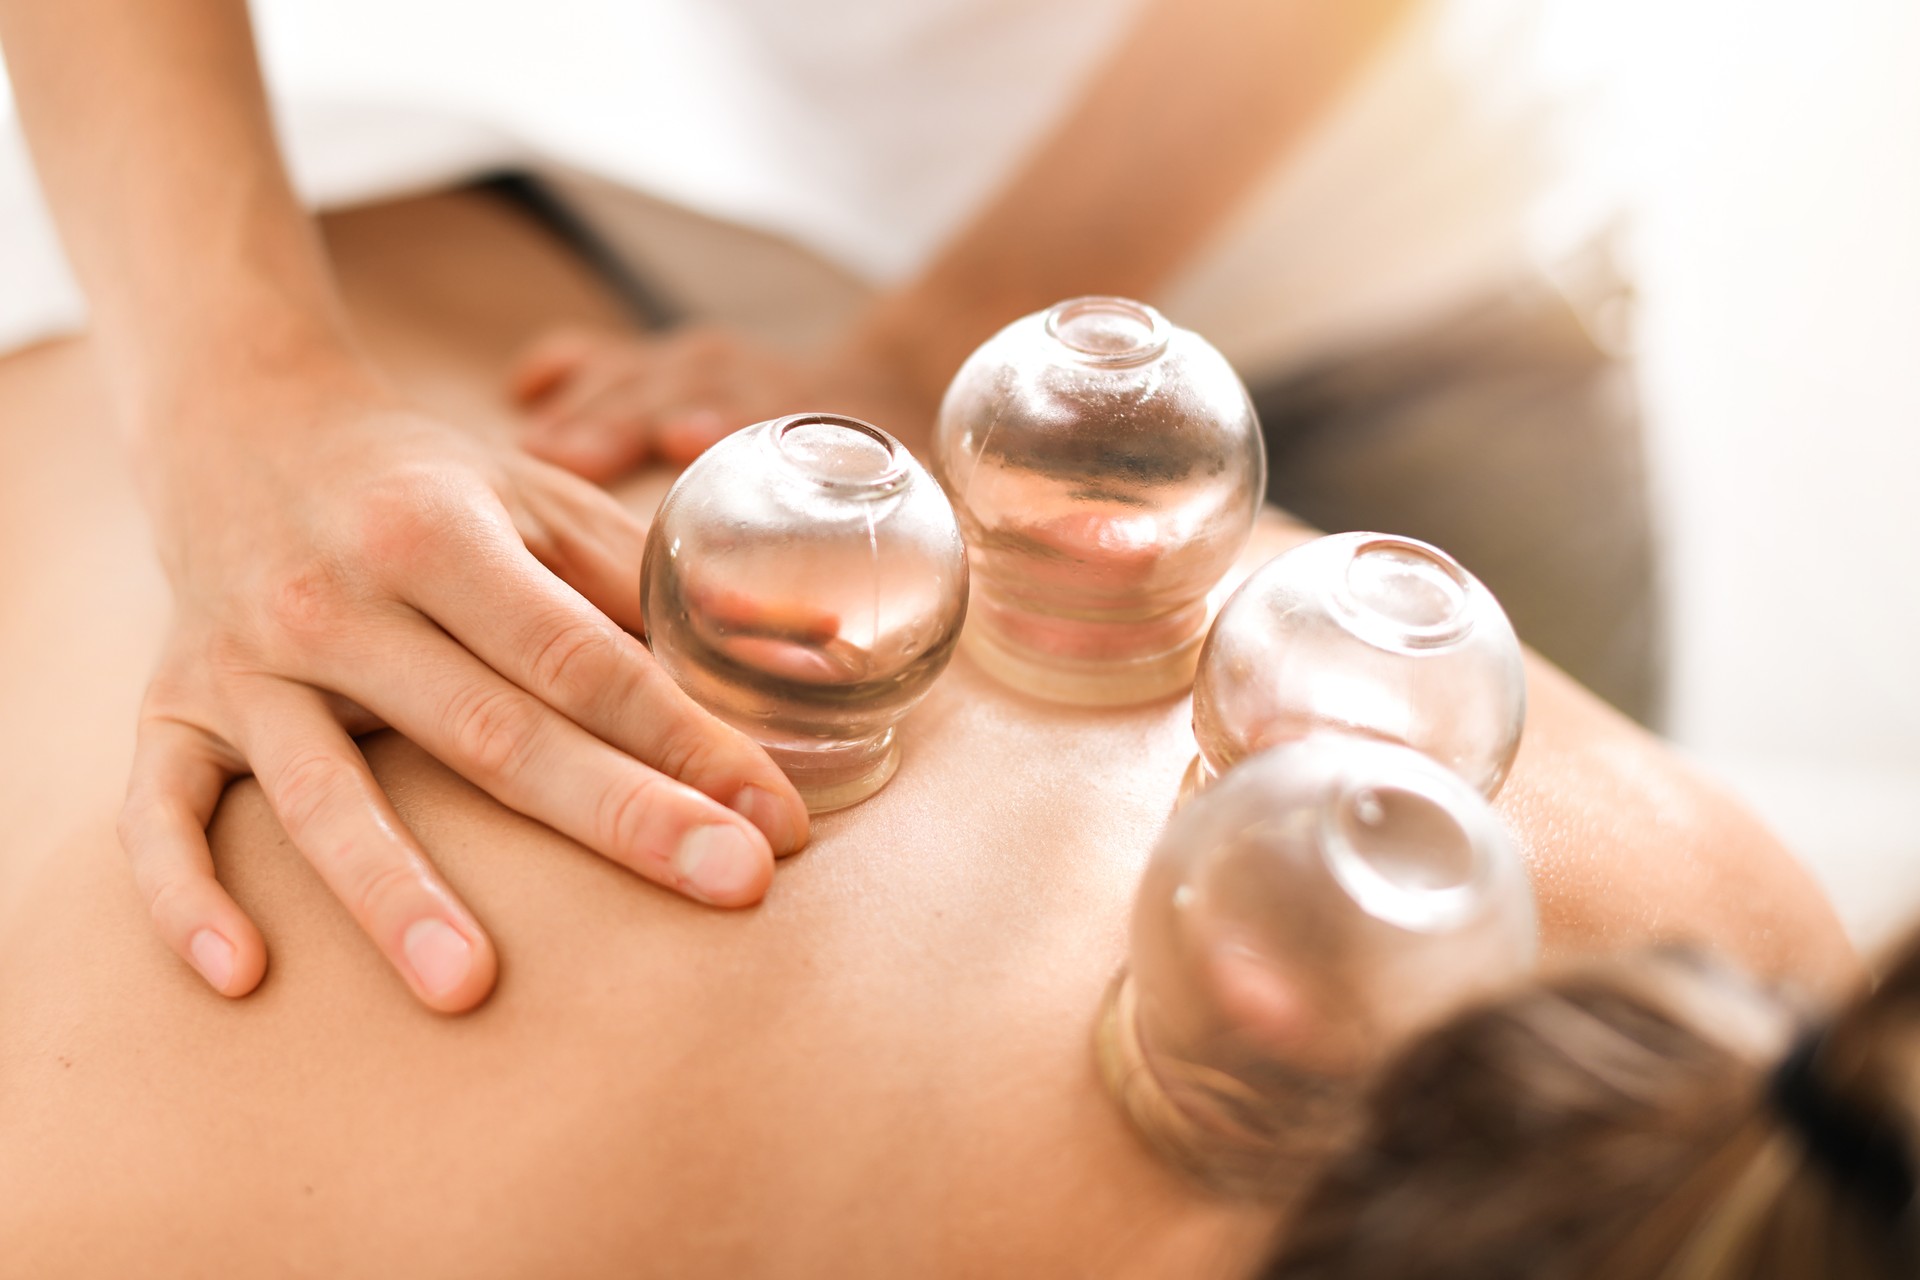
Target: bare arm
149,125
1191,109
338,558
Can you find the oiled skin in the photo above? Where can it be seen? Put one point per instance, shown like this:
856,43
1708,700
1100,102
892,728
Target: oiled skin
883,1070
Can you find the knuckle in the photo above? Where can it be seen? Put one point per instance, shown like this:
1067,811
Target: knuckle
399,516
493,730
304,604
627,813
307,787
232,652
576,658
169,901
170,692
697,751
379,888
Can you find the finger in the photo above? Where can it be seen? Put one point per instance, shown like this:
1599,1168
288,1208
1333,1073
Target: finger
533,759
737,613
676,412
593,426
626,366
603,441
589,541
178,775
551,360
683,436
336,814
538,632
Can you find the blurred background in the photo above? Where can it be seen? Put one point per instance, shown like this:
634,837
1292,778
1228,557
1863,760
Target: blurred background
1771,150
1774,149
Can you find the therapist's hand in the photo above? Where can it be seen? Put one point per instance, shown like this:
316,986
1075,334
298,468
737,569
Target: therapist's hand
600,402
340,561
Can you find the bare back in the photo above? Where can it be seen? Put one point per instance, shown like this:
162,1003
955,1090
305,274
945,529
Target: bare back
882,1070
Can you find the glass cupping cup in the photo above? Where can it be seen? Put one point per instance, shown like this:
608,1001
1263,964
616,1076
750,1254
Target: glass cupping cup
1323,902
1370,634
805,581
1106,467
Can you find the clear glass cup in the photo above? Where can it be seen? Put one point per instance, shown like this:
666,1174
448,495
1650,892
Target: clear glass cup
1107,468
1366,633
806,582
1325,901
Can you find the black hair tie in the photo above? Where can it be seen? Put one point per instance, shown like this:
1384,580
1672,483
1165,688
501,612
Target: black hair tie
1870,1161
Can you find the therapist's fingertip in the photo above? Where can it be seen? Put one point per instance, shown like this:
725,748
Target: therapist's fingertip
440,958
228,954
178,776
213,956
782,821
723,866
449,970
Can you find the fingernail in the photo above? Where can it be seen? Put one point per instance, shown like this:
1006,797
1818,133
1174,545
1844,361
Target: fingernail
213,957
439,957
776,820
719,864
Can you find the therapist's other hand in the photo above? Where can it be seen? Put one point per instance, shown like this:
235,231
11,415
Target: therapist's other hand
601,403
340,560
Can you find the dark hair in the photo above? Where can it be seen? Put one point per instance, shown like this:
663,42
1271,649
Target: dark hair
1655,1119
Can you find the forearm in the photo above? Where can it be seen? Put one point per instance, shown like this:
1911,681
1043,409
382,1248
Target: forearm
149,125
1192,108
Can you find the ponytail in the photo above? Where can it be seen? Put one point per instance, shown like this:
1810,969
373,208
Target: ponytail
1659,1118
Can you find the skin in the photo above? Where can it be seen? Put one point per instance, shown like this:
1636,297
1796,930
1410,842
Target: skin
1196,103
883,1070
340,557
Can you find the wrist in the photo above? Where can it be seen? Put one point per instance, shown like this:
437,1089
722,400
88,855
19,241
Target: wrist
203,409
241,377
239,452
261,315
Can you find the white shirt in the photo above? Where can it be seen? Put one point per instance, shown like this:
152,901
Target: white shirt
869,130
